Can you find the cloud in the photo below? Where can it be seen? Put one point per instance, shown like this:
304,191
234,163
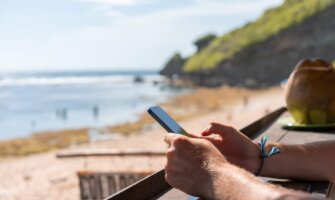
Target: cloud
111,7
114,13
214,8
118,2
112,2
138,41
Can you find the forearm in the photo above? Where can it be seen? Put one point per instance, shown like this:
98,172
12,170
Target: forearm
312,161
236,183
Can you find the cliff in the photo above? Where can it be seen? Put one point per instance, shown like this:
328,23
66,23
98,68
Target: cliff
174,66
268,59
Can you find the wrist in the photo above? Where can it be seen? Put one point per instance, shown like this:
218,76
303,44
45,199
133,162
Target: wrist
254,162
266,151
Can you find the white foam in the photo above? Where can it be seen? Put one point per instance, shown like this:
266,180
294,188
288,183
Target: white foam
71,80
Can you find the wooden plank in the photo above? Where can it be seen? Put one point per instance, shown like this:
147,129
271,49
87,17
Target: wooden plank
172,194
275,133
300,137
95,185
147,188
258,127
107,152
331,191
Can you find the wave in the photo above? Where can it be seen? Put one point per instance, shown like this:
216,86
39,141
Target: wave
73,80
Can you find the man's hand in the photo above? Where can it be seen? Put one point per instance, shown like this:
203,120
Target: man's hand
197,167
193,164
236,147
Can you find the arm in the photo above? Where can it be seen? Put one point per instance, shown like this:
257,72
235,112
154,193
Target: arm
313,161
196,167
236,183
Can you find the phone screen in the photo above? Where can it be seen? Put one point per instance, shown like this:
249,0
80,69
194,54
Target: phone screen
165,120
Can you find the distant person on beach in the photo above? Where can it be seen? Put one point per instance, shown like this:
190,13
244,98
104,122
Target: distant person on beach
224,167
96,112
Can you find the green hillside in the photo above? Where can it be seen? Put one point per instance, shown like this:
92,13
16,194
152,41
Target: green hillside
274,20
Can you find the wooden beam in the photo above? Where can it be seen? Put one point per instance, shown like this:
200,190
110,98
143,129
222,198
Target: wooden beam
107,152
145,189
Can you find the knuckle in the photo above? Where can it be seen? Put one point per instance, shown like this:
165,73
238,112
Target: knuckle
205,142
170,153
180,141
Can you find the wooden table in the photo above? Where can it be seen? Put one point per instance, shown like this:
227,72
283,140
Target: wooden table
155,187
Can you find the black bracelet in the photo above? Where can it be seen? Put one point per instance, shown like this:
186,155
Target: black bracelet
260,166
263,154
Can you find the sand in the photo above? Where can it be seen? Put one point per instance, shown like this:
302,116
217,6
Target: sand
43,176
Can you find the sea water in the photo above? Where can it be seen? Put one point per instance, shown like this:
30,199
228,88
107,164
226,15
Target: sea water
37,102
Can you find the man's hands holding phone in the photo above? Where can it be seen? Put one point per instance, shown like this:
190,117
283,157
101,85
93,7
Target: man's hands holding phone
195,163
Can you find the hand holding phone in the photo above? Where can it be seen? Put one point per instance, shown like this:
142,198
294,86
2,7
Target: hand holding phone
170,125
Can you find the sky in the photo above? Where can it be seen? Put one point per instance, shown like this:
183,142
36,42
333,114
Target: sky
58,35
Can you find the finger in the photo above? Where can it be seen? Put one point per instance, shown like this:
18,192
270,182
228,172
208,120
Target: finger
176,139
168,138
218,129
213,138
191,135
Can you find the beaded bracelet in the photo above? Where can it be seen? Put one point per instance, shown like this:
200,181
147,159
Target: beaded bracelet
264,155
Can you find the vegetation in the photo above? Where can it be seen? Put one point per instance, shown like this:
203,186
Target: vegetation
204,41
173,66
176,58
274,20
42,142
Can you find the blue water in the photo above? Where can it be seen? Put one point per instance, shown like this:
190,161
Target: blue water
34,102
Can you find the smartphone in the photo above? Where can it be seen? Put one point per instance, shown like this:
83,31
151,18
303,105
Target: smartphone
164,119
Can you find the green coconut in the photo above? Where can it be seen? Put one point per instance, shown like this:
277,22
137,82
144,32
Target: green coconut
310,92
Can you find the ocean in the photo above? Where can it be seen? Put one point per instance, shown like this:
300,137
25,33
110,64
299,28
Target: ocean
51,101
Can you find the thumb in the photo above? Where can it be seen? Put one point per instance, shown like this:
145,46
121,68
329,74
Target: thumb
216,128
169,137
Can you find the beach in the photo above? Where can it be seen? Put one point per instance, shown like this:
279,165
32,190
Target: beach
43,176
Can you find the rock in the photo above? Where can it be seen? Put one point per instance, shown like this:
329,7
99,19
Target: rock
173,66
138,79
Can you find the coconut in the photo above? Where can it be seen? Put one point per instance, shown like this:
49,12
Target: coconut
310,92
